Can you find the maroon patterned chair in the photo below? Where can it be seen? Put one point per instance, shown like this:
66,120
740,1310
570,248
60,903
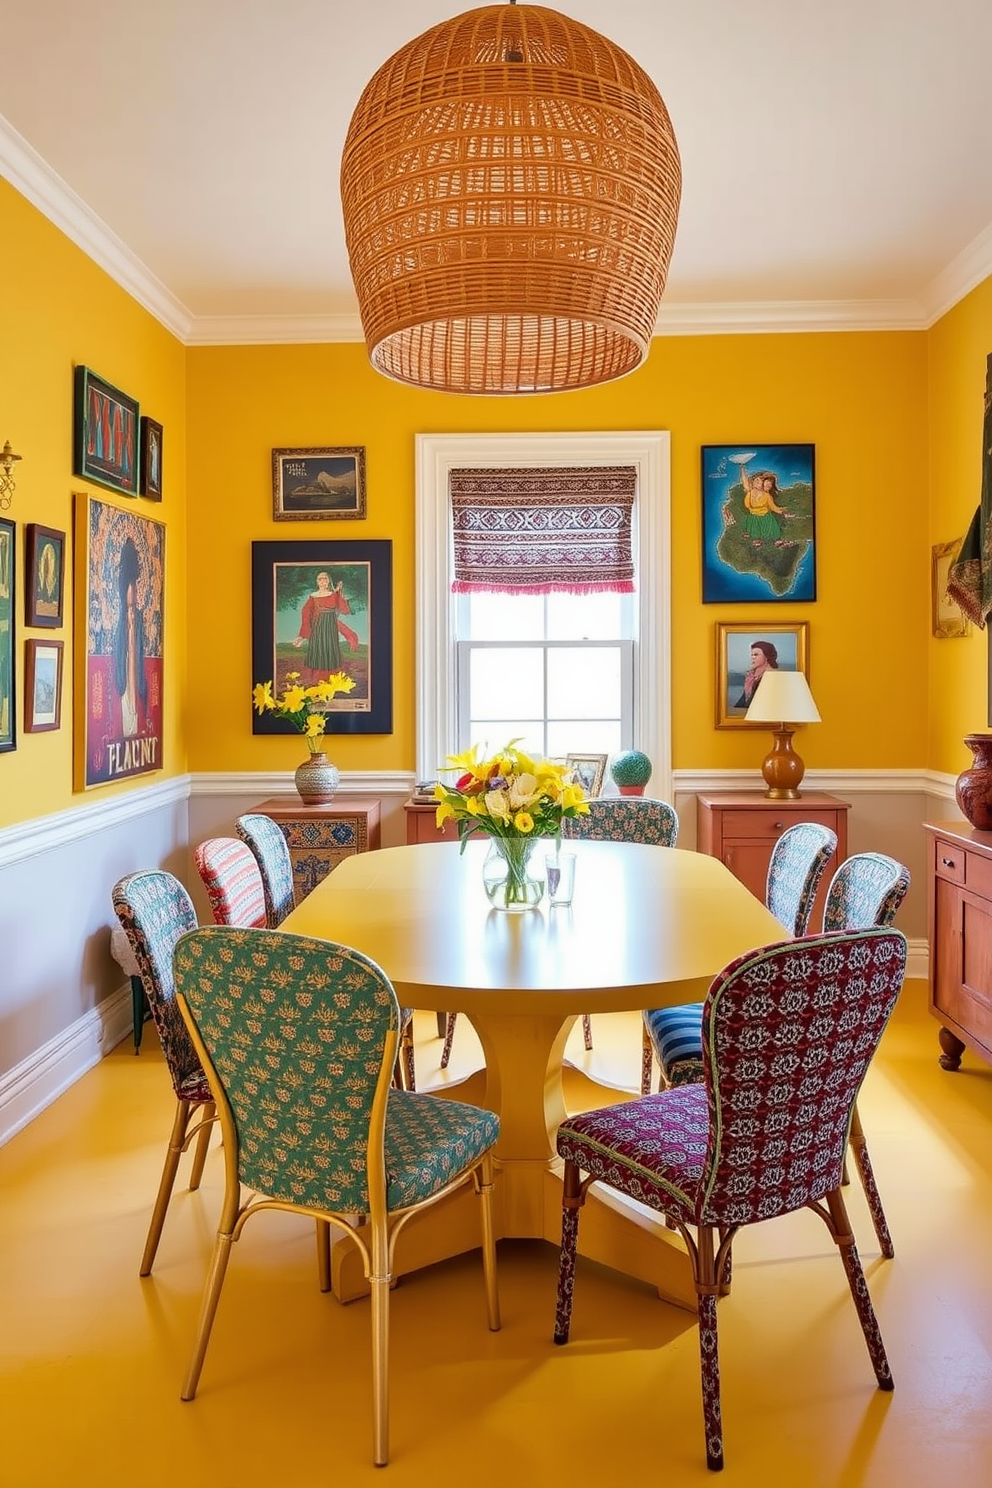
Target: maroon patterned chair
154,910
788,1033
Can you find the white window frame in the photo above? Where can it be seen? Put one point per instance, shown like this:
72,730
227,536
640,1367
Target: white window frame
649,451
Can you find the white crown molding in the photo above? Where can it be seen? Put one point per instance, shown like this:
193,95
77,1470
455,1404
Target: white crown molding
34,178
45,833
960,277
273,330
754,317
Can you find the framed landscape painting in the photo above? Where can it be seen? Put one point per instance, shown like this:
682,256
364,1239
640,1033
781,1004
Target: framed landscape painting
105,434
42,686
310,485
322,607
759,543
120,594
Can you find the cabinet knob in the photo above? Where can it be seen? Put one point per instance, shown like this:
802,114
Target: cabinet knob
947,862
779,826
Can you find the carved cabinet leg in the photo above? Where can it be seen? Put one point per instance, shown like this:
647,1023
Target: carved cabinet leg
952,1048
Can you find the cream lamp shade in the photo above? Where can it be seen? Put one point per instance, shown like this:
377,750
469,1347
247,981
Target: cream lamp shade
510,187
784,699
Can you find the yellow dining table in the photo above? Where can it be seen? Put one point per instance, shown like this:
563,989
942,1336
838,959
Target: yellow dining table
647,926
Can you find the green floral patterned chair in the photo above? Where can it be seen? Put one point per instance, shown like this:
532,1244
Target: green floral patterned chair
299,1038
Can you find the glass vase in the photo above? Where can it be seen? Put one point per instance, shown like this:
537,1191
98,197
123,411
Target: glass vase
511,881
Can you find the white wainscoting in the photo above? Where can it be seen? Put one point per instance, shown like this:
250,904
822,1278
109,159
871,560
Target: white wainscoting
62,1000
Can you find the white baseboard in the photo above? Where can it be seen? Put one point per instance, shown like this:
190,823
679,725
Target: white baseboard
33,1084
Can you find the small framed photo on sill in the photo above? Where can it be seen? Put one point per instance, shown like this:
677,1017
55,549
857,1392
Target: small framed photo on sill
589,771
42,686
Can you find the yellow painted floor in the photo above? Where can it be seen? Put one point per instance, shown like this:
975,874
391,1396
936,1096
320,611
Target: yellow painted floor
91,1357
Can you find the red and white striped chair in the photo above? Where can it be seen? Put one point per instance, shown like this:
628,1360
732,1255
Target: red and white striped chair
233,882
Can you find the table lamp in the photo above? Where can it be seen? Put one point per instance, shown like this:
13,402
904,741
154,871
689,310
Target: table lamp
784,699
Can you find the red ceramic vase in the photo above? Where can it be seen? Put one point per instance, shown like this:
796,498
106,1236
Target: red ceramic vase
973,789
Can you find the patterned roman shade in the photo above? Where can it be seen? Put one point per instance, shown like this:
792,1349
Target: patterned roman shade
535,531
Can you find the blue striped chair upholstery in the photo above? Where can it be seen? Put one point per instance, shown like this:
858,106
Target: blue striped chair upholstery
673,1035
762,1135
154,911
322,1134
268,845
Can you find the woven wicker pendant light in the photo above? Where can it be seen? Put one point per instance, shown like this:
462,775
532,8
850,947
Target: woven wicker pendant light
510,185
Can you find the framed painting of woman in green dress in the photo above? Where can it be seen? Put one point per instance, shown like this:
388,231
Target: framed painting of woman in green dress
323,607
759,543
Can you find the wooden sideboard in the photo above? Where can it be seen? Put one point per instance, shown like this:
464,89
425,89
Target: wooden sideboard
742,827
319,837
960,932
420,823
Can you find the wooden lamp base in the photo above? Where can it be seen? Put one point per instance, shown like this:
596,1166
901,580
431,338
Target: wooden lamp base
782,768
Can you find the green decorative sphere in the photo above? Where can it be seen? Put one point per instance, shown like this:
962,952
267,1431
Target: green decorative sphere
630,768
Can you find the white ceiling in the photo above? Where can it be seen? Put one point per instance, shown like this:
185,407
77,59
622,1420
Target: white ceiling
837,156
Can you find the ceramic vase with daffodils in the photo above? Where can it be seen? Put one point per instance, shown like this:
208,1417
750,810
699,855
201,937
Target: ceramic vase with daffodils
316,779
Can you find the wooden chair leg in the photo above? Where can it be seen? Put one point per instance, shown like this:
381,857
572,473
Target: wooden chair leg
866,1173
484,1184
202,1143
844,1239
167,1181
208,1310
449,1033
324,1255
587,1031
709,1356
572,1198
379,1282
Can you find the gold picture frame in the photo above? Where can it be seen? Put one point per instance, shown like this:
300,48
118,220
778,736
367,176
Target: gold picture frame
949,620
785,646
590,771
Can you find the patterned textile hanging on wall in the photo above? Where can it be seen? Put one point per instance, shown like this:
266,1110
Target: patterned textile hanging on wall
537,531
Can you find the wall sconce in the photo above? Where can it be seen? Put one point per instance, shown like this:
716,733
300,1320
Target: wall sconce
7,461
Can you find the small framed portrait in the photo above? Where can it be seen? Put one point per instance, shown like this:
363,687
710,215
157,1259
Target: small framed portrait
759,542
151,459
42,686
105,434
589,770
949,619
743,654
318,485
44,563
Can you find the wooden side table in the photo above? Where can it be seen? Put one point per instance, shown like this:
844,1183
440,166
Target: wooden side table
420,824
742,827
960,933
320,837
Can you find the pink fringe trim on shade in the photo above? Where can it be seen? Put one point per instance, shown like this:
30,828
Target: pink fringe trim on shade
461,586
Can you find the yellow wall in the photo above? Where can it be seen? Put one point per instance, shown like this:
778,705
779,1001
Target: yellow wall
59,309
860,398
958,345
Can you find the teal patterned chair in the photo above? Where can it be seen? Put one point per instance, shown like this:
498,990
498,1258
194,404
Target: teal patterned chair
154,910
673,1035
299,1038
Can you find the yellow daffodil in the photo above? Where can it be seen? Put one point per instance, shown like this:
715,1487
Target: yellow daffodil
316,723
262,696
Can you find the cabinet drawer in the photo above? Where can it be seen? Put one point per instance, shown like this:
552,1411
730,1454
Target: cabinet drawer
949,860
978,874
770,824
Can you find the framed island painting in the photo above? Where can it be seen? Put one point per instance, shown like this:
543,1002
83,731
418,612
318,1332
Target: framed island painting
120,591
759,541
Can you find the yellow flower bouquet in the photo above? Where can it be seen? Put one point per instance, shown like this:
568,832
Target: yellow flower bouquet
300,705
515,800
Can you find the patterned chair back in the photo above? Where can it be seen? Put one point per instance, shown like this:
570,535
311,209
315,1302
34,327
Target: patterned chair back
155,911
266,841
795,868
867,889
233,883
627,819
295,1031
788,1034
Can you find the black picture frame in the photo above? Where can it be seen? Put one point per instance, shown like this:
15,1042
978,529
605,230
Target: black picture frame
105,434
283,579
151,458
8,637
44,568
758,554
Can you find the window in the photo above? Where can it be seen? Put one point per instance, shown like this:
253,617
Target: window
468,645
